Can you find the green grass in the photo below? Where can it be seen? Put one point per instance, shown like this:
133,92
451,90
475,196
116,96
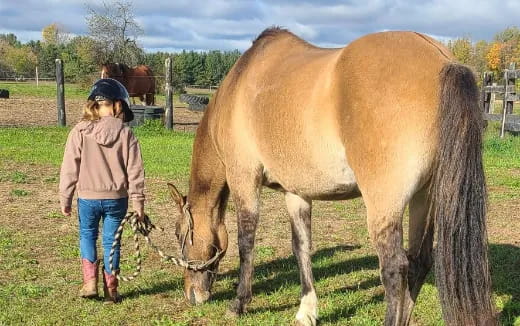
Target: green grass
45,90
54,214
19,192
501,158
165,153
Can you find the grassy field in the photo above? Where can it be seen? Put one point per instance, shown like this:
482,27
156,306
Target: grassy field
47,89
39,258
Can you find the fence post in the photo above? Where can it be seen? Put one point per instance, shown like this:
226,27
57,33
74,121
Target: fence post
169,94
486,95
36,72
60,93
511,81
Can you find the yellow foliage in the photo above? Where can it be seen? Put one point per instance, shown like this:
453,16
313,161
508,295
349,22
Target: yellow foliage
22,59
461,49
493,56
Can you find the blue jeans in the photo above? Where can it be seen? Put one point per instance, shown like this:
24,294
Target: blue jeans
90,212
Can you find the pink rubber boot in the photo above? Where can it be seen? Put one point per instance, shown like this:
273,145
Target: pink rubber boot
90,278
110,284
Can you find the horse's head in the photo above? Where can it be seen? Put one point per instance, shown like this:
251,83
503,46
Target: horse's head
113,70
202,236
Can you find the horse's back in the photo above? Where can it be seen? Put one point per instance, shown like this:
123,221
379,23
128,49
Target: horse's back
335,113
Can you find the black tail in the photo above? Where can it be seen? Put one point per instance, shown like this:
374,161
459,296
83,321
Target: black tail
459,198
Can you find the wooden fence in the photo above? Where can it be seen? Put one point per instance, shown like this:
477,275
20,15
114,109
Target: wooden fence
508,91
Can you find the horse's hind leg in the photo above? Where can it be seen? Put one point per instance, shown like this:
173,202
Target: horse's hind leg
386,232
420,246
300,212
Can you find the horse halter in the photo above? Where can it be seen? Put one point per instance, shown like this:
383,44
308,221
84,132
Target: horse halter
188,235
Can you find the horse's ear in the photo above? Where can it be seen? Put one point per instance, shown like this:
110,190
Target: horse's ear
116,68
176,195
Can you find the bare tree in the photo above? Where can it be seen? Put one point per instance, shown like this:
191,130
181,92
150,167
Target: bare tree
114,26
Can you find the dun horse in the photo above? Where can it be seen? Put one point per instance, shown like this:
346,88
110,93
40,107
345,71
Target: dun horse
139,81
391,118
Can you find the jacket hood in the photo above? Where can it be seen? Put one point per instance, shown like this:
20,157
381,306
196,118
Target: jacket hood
104,131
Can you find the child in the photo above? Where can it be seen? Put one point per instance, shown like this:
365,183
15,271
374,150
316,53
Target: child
102,161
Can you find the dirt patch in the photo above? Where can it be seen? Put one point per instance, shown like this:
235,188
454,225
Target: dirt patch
37,111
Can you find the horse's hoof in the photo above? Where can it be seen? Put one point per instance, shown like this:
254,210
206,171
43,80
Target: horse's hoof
232,314
308,321
236,308
305,320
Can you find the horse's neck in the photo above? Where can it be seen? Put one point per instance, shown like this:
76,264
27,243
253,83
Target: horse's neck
208,189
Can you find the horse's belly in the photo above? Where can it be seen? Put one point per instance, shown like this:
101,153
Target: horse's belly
322,176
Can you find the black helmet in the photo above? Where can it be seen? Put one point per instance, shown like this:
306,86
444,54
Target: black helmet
111,89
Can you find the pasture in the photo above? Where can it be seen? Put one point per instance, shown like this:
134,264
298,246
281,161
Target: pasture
39,256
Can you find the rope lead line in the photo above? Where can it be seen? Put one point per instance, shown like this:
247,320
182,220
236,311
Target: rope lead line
144,228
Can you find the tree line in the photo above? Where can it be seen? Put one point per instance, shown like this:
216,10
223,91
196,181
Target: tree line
83,55
112,38
494,56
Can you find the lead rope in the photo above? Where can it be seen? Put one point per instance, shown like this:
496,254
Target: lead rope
144,228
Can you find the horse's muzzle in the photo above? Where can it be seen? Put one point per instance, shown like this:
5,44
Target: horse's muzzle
196,297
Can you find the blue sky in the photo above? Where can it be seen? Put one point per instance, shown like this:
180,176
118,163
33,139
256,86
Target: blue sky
172,25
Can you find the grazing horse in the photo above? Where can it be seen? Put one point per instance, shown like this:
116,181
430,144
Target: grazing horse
139,81
391,118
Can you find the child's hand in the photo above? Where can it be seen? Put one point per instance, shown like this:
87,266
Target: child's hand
140,214
66,210
138,207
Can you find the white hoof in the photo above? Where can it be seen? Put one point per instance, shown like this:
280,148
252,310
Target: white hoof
308,312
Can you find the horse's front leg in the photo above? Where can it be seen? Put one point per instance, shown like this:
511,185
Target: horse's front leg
246,193
300,212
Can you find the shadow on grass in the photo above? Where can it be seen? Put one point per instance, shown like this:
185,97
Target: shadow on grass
278,273
157,288
505,274
504,261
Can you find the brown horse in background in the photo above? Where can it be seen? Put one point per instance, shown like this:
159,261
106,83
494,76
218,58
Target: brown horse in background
139,81
391,118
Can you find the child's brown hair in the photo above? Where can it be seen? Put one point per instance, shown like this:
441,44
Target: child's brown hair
91,111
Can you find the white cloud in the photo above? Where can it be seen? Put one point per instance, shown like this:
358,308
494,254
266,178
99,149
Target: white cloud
230,24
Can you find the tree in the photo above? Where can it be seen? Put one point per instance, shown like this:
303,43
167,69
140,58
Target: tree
10,39
478,58
115,28
229,59
461,49
80,57
214,67
54,34
493,57
509,34
22,60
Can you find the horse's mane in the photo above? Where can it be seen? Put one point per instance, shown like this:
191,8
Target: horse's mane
271,32
269,35
274,32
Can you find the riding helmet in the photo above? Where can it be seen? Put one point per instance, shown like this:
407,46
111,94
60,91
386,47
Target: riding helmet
111,89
